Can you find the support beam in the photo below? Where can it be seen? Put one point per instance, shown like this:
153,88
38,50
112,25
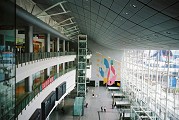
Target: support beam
72,27
64,21
30,83
72,33
47,43
70,30
63,45
58,44
168,84
73,37
54,14
68,47
59,3
67,24
29,39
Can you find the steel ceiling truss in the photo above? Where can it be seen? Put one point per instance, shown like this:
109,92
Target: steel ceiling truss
72,33
68,19
60,13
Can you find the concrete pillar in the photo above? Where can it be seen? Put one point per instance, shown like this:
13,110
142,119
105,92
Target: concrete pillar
58,44
63,45
30,83
47,43
68,64
57,68
47,49
29,39
68,46
48,71
45,73
63,68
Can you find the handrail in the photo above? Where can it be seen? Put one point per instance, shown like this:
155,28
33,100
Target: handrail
28,98
29,57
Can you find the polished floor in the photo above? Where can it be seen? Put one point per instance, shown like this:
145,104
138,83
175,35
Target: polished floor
102,97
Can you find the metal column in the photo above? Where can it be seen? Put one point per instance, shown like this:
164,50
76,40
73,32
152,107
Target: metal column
82,62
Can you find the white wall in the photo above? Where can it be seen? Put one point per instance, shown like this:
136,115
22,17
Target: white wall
96,48
26,70
36,103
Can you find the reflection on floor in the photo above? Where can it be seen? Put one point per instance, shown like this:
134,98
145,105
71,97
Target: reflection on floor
102,97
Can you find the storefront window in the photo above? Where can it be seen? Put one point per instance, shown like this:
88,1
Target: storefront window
20,90
36,80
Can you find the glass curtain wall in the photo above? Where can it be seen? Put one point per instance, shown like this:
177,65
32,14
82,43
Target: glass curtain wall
7,61
150,77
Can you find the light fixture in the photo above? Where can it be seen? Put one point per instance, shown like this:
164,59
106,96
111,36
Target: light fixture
127,13
168,32
134,6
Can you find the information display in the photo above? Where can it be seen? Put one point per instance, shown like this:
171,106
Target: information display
48,104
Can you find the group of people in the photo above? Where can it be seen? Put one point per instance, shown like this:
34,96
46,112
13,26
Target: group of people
103,108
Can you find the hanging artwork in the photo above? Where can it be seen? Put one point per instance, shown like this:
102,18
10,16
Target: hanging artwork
108,69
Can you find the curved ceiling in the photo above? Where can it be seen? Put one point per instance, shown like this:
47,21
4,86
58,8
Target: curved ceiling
122,24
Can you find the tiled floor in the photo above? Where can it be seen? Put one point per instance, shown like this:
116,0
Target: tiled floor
93,112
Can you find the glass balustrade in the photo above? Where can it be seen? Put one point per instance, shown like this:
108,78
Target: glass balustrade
28,57
21,104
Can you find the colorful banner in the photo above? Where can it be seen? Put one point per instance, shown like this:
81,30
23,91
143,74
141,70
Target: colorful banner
108,69
47,82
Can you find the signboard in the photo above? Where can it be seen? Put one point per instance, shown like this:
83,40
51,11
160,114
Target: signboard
173,82
47,82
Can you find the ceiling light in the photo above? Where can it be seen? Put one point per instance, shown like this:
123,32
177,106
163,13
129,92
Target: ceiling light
168,32
134,6
127,13
155,35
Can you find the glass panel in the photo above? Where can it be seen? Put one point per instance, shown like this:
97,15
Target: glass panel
7,61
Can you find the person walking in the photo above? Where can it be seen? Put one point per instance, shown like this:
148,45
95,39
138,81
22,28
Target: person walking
104,108
101,108
86,105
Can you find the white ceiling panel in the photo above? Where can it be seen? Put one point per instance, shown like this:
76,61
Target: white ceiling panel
111,16
173,10
116,8
103,11
146,12
107,3
132,24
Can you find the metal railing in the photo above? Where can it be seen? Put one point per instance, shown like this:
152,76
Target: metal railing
29,57
21,104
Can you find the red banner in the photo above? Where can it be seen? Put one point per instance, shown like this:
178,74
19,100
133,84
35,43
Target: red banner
51,79
47,82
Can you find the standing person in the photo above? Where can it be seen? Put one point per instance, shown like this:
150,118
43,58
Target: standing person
112,106
123,116
92,92
62,109
120,117
101,108
115,104
104,108
86,105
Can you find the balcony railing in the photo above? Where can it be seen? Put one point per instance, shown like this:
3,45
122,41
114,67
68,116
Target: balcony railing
28,57
20,105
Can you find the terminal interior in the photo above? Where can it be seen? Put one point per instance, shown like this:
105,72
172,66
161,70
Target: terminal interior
89,60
